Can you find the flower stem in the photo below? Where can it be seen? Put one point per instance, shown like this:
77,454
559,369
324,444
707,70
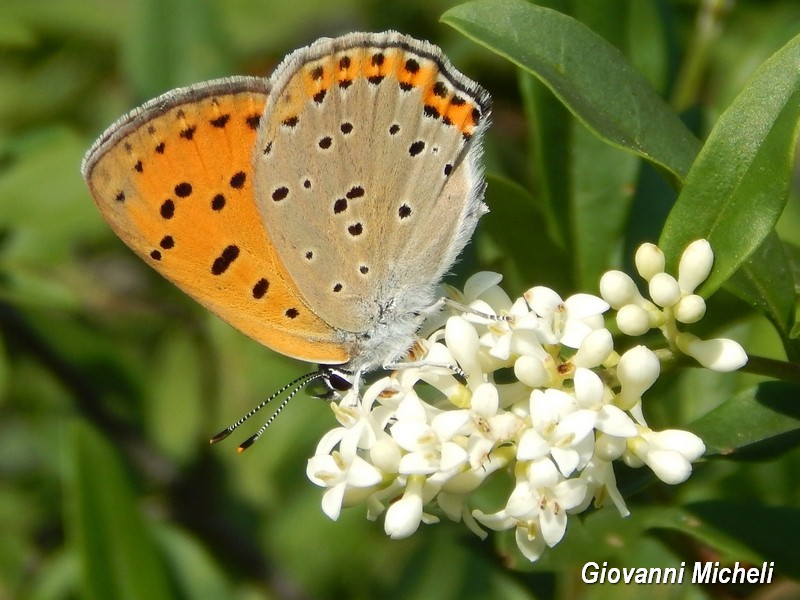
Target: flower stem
779,369
706,31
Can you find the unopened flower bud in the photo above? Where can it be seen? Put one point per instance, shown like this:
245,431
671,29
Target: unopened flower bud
685,442
690,309
719,354
669,454
463,343
695,265
609,447
664,289
649,261
633,320
594,350
532,371
670,467
478,283
618,289
637,370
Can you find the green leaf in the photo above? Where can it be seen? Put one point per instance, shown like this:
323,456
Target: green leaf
765,530
578,175
119,558
739,184
603,180
606,536
591,77
793,257
756,423
683,519
516,228
5,371
46,217
549,132
164,48
199,576
173,409
765,281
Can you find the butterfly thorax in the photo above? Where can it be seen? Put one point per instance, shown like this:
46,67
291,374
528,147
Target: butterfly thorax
397,317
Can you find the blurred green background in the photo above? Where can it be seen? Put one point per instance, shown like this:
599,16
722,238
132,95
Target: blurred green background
112,381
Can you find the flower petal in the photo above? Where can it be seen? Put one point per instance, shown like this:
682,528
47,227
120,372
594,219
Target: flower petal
532,446
616,422
332,501
531,546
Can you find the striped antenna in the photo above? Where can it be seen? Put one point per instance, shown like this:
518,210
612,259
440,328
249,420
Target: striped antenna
295,386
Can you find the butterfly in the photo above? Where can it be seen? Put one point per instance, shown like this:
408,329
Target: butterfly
317,210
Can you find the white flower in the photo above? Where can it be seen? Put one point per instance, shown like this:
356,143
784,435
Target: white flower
538,511
491,426
546,500
463,342
339,472
568,321
529,540
559,429
595,349
535,371
602,485
484,285
573,407
426,440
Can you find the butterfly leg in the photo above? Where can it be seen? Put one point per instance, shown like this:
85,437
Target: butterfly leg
455,370
444,301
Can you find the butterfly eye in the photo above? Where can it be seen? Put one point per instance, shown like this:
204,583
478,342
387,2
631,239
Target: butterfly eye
338,380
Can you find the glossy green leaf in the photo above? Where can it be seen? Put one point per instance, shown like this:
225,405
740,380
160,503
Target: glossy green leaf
119,559
578,175
739,184
683,519
759,422
736,531
606,536
765,281
793,257
591,77
603,183
767,531
549,133
524,254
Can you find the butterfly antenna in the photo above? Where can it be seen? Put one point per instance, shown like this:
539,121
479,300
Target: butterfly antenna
297,384
254,438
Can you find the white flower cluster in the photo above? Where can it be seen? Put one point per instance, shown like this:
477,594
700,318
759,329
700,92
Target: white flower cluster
574,406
